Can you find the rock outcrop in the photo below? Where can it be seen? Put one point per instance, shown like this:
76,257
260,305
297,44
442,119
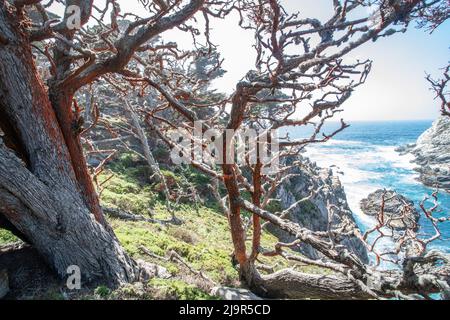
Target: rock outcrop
432,154
314,214
234,294
397,208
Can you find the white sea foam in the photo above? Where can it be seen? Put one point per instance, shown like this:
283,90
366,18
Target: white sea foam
359,168
394,158
345,142
364,167
410,179
350,166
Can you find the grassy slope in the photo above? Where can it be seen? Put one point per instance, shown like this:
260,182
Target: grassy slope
203,240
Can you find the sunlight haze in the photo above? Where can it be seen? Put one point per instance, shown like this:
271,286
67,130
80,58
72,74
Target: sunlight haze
396,88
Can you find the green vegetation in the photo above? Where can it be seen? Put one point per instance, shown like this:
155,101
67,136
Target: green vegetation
177,290
7,237
308,207
203,238
102,291
129,188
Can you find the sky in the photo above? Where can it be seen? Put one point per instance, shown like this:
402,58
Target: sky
396,89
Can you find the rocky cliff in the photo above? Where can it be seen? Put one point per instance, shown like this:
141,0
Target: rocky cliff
432,154
398,209
314,213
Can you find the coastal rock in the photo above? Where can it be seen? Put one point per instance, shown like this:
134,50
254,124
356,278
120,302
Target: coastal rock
396,207
403,150
432,154
314,214
4,284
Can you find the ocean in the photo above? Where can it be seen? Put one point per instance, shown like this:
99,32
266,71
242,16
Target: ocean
364,158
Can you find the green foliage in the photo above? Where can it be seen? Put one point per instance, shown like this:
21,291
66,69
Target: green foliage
137,203
183,235
274,207
128,189
203,239
7,237
177,290
133,291
102,291
308,208
196,177
125,162
161,153
170,175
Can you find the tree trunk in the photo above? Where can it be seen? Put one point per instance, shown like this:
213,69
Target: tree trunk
40,190
68,121
289,284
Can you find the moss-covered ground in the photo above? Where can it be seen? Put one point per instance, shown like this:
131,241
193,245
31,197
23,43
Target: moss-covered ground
202,239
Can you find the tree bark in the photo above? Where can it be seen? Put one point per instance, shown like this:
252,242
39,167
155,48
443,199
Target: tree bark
68,120
290,284
40,193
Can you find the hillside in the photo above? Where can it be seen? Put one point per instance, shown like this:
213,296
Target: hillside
201,239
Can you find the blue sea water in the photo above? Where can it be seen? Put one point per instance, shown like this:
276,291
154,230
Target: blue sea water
365,159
